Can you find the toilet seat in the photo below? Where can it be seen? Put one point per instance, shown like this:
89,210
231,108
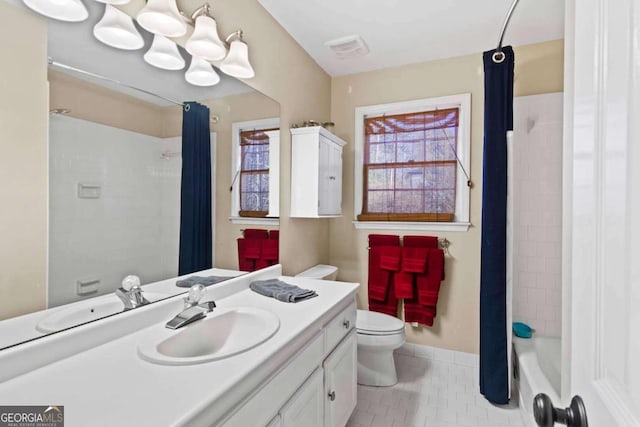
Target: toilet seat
378,324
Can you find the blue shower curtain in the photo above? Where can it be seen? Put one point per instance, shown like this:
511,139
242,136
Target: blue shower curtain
195,194
498,119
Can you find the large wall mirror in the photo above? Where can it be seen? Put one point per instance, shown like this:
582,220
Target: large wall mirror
90,176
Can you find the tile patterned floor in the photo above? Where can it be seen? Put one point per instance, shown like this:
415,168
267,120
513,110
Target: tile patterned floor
430,393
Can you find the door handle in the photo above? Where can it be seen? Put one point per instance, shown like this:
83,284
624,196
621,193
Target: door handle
547,415
332,396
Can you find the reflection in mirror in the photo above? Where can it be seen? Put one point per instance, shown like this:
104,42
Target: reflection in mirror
91,175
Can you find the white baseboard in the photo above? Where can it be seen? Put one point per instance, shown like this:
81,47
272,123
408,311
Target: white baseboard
439,354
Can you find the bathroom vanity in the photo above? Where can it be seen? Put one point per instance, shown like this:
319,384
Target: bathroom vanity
303,375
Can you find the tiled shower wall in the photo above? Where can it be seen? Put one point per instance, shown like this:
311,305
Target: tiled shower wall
537,206
131,227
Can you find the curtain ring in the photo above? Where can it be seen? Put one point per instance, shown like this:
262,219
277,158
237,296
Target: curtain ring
498,57
187,107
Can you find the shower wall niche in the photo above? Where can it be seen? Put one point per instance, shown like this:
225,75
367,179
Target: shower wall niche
537,212
114,208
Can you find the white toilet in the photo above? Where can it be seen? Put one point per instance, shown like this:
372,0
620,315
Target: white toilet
378,336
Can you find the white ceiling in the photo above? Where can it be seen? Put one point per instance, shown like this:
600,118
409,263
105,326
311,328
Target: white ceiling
73,44
400,32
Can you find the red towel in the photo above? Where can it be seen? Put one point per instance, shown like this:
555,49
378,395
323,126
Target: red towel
383,261
420,242
256,233
429,284
268,254
414,260
381,297
274,235
248,253
415,312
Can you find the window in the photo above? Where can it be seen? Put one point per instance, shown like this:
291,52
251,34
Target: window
255,180
412,162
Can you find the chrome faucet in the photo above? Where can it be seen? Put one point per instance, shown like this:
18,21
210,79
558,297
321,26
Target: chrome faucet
193,310
130,293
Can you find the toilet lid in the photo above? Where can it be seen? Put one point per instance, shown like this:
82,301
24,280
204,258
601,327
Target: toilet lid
373,323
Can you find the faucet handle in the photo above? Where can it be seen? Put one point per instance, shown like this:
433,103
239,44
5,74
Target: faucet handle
130,282
196,292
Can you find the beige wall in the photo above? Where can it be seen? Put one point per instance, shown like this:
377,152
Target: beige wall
538,70
98,104
23,163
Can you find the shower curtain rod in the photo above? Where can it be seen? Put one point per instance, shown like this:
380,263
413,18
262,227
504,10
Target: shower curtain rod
506,24
98,76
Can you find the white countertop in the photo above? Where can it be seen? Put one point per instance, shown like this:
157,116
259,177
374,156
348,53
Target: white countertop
110,385
22,328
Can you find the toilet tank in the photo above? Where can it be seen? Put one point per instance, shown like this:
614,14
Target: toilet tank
320,271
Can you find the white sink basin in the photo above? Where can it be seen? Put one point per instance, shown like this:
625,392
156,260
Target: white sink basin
223,333
86,311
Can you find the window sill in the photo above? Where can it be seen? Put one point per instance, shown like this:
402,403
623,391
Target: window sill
254,221
413,226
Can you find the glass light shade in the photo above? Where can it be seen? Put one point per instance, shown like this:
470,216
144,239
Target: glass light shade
116,29
201,73
236,64
205,42
62,10
114,1
162,17
164,54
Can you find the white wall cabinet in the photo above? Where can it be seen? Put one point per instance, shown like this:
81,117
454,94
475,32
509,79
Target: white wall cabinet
316,173
340,370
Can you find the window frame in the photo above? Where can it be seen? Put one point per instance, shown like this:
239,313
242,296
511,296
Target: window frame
272,217
463,148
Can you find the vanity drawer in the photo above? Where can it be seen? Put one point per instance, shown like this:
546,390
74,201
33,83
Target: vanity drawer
338,327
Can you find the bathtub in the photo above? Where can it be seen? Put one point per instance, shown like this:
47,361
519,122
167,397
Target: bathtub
536,369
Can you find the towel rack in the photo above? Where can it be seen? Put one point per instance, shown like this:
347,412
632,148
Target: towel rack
443,243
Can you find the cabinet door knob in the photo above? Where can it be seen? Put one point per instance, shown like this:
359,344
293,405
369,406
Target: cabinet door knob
332,396
332,178
346,324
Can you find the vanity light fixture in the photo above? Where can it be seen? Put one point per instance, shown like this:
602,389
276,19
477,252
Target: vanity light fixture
116,29
237,64
205,42
201,73
164,54
62,10
162,17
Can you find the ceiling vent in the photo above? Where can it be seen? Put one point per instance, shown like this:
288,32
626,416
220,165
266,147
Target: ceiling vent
348,47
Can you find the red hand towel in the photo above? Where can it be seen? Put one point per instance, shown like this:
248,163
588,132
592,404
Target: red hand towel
429,284
245,263
379,277
256,233
415,312
381,298
274,235
422,242
269,254
414,260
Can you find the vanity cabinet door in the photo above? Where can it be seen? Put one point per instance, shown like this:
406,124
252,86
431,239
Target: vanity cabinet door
340,370
305,408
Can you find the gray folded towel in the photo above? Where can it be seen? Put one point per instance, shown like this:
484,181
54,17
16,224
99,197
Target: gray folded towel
200,280
281,291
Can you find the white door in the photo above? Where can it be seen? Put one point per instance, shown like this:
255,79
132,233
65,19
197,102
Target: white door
602,210
324,170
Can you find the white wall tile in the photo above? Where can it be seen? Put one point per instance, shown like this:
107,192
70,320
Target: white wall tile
538,211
